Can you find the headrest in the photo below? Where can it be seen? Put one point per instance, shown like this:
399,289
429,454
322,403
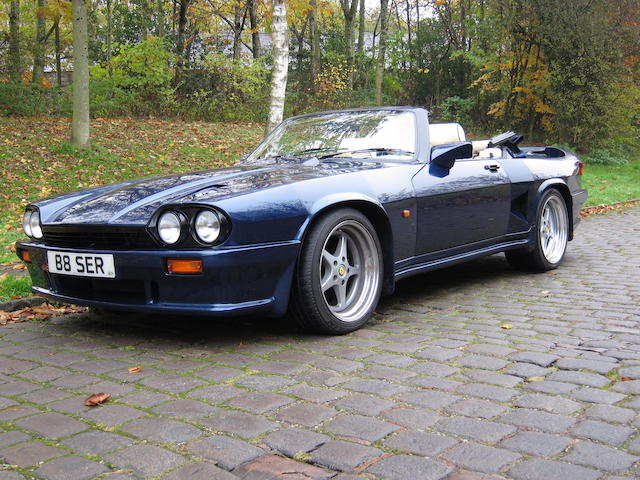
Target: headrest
444,133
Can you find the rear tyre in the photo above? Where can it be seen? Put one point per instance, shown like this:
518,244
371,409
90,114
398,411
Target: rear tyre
552,235
339,274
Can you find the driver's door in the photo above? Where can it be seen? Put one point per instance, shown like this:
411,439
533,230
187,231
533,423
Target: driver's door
465,206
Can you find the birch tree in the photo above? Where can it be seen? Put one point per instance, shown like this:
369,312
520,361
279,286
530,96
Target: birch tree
280,39
80,121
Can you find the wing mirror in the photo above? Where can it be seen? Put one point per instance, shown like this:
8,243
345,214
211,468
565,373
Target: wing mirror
445,155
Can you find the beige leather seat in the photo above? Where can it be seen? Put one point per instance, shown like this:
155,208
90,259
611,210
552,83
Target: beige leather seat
444,133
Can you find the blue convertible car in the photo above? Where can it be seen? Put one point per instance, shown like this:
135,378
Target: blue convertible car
325,215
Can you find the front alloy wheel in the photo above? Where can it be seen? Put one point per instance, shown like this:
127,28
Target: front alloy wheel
339,276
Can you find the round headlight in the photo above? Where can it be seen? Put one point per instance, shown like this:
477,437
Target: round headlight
169,227
34,223
207,226
26,222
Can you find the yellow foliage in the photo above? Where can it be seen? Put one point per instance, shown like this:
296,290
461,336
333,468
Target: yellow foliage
521,76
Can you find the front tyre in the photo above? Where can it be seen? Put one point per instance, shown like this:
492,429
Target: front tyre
339,274
552,235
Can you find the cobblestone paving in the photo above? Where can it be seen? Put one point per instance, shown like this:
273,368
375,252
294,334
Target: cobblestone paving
433,388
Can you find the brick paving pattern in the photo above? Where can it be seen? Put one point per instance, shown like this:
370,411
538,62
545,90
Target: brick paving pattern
433,388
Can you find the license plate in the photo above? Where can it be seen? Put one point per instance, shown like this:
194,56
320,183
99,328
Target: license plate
81,264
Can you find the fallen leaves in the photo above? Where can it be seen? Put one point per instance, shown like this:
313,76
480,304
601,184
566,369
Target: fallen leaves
136,369
626,379
40,312
613,207
97,399
506,326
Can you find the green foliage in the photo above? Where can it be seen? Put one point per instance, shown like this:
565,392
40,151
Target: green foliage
586,81
455,109
142,69
143,66
604,156
224,90
106,99
32,100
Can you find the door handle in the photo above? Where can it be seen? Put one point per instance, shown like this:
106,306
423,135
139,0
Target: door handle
492,168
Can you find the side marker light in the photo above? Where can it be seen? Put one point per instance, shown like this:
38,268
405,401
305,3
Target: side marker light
184,266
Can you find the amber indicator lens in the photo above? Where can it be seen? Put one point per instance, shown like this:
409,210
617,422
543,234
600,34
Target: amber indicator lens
580,168
25,255
184,266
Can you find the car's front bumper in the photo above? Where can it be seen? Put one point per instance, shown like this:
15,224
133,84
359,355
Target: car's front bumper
238,280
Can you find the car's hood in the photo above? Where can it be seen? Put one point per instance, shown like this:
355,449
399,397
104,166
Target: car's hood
133,202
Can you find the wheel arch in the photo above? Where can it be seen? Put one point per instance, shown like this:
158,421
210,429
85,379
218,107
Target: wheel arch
376,214
561,186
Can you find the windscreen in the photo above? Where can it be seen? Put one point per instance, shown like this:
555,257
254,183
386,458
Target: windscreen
363,134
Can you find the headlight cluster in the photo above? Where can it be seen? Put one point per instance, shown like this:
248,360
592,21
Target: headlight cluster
31,224
205,226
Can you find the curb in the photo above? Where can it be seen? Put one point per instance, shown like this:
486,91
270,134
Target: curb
13,305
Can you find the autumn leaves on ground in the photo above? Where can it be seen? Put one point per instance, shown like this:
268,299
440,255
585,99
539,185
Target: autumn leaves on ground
36,160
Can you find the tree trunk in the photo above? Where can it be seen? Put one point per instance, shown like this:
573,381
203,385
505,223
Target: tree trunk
382,48
237,31
361,28
182,25
145,19
279,34
300,41
80,122
315,42
237,45
109,28
58,50
38,48
255,31
15,70
349,13
409,36
160,18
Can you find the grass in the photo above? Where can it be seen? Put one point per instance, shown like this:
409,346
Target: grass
36,161
609,184
11,286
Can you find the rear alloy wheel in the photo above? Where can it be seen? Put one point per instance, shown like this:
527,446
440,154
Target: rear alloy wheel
552,235
339,275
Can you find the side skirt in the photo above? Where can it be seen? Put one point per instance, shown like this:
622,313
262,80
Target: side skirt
416,268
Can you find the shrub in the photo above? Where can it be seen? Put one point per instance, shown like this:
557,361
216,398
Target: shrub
140,78
605,156
224,90
455,109
108,100
32,100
